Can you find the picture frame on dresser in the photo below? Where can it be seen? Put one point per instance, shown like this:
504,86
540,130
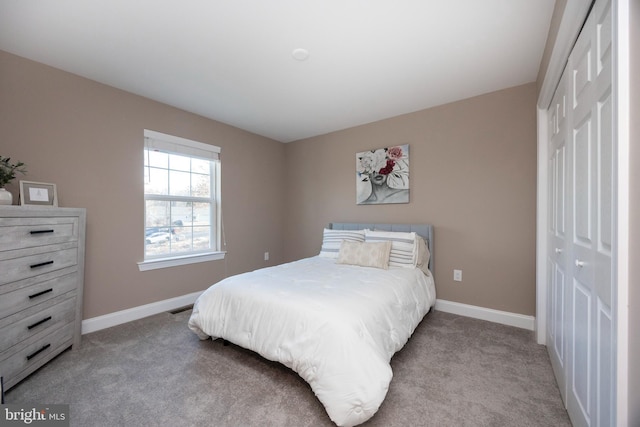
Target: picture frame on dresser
38,193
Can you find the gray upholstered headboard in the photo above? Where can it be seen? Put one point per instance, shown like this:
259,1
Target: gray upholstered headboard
424,230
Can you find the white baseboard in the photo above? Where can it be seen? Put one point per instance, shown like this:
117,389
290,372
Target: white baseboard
119,317
135,313
496,316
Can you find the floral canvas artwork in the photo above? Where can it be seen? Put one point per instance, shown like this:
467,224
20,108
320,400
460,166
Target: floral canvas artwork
382,176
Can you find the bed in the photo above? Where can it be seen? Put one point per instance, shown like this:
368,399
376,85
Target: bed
336,318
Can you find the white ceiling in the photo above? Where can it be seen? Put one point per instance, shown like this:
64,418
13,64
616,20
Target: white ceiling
232,60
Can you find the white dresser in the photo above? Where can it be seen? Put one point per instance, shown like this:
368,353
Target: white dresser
41,281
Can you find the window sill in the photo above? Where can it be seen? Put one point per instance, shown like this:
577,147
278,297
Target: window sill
154,264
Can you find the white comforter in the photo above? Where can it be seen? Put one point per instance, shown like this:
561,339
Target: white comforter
336,325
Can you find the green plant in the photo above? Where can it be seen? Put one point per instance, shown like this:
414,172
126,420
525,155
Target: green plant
8,170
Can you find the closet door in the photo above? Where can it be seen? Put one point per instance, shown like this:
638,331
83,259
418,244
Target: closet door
589,363
558,243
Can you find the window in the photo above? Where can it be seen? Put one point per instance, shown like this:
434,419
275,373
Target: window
181,196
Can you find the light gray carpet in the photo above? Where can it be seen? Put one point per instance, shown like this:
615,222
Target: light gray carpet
454,371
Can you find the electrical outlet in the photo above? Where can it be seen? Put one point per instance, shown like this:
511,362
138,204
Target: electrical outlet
457,275
266,256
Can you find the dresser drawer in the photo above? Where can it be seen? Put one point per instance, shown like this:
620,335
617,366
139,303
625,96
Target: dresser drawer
17,365
23,298
18,233
47,319
42,261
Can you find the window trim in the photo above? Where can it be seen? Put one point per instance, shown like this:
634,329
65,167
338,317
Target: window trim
157,263
182,146
168,143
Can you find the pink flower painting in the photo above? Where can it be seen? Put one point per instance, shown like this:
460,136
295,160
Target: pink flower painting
382,176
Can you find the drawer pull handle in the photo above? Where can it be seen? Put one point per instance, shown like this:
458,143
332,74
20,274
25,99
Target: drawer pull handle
40,293
41,264
39,323
41,231
35,353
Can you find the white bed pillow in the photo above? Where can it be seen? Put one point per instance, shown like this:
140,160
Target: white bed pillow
404,251
373,254
332,239
423,255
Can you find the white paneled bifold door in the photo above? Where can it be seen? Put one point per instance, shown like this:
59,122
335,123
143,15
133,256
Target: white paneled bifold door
580,318
556,344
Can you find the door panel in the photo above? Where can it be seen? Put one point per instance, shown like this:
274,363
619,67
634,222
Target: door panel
580,363
558,314
581,73
582,183
604,398
581,223
603,37
604,370
560,220
557,250
605,174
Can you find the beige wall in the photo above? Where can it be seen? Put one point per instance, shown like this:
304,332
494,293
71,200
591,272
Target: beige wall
473,175
634,209
473,166
88,138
